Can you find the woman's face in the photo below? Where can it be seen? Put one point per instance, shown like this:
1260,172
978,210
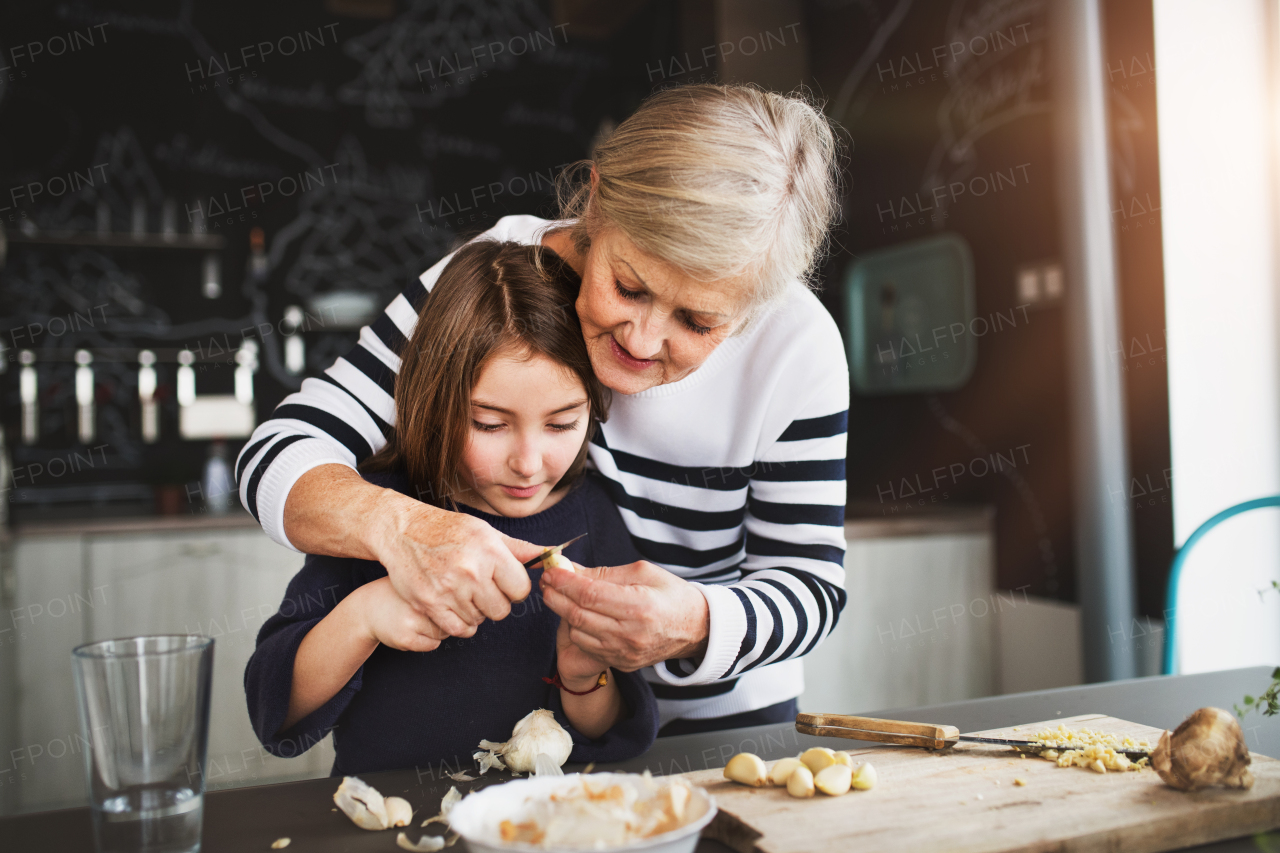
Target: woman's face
645,323
528,422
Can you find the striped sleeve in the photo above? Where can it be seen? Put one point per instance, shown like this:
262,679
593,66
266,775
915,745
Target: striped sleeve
790,587
347,414
343,416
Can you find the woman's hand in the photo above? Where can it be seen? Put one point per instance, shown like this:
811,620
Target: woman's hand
450,567
629,617
386,618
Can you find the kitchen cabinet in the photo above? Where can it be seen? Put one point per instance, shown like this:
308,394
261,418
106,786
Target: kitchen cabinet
920,623
221,577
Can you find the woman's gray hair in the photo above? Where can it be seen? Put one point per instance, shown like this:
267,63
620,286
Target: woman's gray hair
718,181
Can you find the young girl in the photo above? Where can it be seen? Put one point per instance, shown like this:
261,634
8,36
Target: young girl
496,402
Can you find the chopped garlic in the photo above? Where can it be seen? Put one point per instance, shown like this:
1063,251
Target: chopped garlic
1020,782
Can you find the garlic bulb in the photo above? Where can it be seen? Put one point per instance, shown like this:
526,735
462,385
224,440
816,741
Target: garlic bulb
363,804
538,733
1207,749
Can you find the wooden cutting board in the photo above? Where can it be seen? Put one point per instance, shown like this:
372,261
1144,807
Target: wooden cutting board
964,799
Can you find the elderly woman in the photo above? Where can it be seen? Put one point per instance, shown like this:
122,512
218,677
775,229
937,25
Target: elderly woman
694,229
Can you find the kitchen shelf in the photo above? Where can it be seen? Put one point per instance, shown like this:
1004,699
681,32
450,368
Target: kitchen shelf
205,242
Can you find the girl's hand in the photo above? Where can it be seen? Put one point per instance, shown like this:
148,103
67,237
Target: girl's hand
387,619
578,670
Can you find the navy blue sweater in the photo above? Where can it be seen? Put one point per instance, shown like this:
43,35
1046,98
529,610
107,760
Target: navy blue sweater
418,709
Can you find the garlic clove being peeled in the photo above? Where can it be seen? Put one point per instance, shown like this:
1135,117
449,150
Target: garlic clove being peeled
557,560
537,733
1207,749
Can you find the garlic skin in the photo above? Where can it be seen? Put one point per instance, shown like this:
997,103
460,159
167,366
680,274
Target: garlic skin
1207,749
425,844
538,733
363,804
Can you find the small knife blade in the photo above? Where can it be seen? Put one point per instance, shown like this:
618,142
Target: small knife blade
917,734
547,552
1036,748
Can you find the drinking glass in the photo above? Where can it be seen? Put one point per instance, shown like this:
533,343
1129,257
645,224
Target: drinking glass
144,714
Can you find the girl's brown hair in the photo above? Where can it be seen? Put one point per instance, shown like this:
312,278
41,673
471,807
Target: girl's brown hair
492,296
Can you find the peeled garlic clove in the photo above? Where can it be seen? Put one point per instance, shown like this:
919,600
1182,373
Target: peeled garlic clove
557,561
782,770
399,812
425,844
864,778
1207,749
363,804
747,769
844,758
281,843
834,780
800,783
818,758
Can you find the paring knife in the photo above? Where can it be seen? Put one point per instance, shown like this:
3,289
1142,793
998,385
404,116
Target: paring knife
918,734
547,552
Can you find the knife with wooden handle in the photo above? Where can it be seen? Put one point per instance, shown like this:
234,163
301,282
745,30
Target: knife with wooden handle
917,734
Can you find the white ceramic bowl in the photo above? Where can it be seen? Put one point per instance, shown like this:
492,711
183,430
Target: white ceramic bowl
477,817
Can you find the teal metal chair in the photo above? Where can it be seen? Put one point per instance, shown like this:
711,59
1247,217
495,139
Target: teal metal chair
1175,570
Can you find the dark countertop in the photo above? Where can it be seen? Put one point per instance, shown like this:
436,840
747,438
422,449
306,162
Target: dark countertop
247,819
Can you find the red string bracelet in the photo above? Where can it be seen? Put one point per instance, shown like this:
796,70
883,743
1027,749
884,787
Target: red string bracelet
557,683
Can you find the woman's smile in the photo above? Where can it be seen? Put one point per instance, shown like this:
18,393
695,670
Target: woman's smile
626,359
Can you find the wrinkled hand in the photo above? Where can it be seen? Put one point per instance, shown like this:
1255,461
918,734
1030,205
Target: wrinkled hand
387,618
451,567
629,617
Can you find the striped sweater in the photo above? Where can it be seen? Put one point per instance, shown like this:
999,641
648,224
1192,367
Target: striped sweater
732,478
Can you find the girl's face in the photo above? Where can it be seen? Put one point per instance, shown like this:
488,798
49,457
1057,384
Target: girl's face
646,323
528,421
